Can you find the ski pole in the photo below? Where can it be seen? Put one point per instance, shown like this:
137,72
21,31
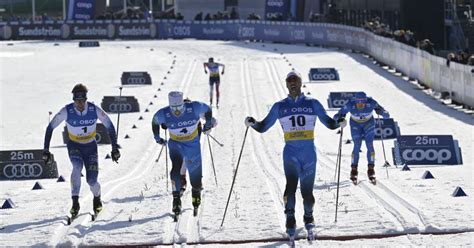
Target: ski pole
49,116
212,137
118,113
235,175
159,155
338,165
166,154
338,153
386,164
212,159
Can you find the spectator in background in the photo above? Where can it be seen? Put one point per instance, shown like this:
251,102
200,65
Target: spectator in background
427,45
179,16
471,60
233,14
198,17
450,58
207,17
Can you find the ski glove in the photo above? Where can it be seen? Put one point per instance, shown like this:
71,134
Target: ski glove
342,122
163,126
160,141
205,71
207,127
222,73
115,154
46,156
250,121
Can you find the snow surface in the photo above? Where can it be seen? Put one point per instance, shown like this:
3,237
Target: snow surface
37,77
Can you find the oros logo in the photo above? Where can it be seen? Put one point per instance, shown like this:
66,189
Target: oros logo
185,123
24,170
439,156
182,30
275,3
122,107
86,122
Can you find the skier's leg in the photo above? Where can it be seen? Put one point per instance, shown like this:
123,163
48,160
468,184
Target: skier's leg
307,174
77,164
194,166
176,156
217,91
91,163
356,133
211,90
290,165
369,136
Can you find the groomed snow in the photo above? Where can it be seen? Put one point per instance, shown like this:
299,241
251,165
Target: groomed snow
37,77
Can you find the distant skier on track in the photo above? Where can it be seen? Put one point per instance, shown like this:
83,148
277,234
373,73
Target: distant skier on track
182,121
362,127
81,119
214,78
297,115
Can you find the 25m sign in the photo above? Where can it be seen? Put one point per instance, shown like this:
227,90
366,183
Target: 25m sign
426,150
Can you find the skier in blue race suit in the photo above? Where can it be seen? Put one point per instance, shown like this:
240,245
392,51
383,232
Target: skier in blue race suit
81,119
362,125
297,115
182,120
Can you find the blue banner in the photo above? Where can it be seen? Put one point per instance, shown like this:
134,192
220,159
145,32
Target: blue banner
426,150
81,10
277,10
323,74
339,99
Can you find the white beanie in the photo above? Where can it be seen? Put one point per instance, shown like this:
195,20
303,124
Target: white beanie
175,98
293,74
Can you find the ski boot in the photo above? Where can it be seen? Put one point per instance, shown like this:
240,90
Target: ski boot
309,226
97,204
291,230
371,174
74,209
196,197
176,205
354,174
183,184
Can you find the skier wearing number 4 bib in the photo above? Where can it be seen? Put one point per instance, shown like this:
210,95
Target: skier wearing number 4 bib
182,121
297,115
362,127
81,119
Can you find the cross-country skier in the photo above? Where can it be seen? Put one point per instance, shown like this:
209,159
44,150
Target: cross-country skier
214,78
297,115
362,125
182,120
81,119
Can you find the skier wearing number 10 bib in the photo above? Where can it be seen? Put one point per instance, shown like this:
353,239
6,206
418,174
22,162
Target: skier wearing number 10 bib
297,115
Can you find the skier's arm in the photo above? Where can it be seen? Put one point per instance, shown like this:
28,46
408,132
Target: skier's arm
325,119
223,68
158,119
57,119
343,111
268,121
104,118
380,110
205,67
202,108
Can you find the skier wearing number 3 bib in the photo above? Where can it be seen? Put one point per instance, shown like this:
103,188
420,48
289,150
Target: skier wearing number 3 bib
297,115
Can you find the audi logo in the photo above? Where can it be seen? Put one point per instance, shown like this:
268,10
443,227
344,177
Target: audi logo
339,102
136,80
323,76
387,132
22,170
122,107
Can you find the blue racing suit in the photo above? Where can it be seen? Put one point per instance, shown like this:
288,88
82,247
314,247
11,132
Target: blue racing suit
82,146
298,118
362,126
183,143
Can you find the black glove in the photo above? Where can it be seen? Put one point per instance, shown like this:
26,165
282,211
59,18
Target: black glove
250,121
115,154
160,141
163,126
46,156
342,122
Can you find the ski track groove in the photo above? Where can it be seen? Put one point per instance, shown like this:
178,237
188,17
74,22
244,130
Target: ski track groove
83,223
271,180
405,212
